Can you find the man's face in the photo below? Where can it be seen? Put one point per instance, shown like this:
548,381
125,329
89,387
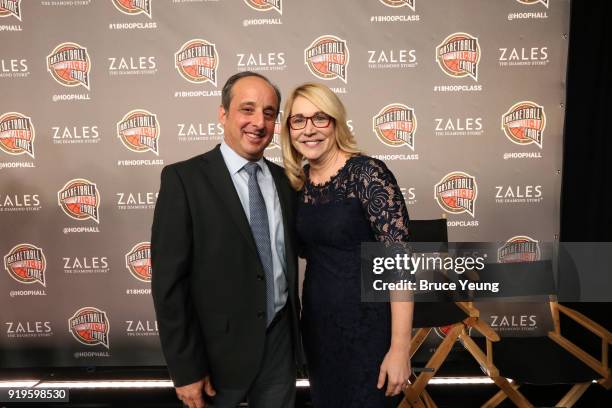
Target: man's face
249,123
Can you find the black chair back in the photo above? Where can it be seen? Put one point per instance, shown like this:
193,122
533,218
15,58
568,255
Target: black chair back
428,230
433,314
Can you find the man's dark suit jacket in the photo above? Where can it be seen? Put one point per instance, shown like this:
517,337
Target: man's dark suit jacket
208,284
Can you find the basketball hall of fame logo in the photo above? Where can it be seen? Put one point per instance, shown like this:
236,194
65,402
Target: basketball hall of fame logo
69,65
265,5
524,123
133,7
532,2
456,193
395,125
458,55
80,200
139,131
399,3
138,261
16,134
90,326
327,58
197,61
26,263
10,8
520,248
443,331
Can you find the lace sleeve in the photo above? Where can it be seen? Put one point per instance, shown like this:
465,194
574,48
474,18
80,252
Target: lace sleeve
382,202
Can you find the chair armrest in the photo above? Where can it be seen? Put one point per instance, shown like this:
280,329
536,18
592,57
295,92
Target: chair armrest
587,323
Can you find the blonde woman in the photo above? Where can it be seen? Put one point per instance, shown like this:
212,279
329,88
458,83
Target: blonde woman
357,352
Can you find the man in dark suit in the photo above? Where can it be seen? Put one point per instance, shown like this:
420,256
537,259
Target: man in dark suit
224,263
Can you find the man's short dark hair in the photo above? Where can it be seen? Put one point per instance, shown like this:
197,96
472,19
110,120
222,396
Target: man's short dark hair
226,94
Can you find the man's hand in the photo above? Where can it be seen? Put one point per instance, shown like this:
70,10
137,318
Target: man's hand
191,394
396,369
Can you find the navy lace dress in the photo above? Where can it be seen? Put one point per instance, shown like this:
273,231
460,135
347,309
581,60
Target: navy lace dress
345,339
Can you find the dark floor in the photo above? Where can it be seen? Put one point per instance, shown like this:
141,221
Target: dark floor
446,396
464,396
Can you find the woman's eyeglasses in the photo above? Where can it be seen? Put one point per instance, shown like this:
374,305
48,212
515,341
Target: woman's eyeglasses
319,120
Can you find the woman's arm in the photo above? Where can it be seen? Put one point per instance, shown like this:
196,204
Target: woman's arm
384,206
396,364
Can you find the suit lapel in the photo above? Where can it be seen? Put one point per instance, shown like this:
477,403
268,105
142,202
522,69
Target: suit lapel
216,172
284,196
218,175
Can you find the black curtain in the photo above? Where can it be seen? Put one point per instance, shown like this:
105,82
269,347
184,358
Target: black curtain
587,154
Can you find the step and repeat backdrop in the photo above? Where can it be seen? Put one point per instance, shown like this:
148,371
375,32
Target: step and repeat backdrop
464,101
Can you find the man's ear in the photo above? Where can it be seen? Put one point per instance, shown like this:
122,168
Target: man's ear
222,115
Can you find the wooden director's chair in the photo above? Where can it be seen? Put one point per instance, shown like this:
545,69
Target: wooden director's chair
558,361
460,317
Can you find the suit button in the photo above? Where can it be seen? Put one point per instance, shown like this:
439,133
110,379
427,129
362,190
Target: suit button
261,314
260,277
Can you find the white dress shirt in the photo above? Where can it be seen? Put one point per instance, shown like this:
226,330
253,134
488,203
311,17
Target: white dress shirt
235,164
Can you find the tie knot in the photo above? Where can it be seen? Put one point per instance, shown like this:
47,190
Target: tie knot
251,168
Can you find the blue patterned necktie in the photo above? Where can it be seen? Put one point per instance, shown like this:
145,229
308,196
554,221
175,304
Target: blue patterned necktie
261,233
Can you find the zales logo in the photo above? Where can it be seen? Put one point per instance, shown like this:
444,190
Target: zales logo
395,125
381,59
327,58
511,322
84,264
19,202
523,56
133,7
26,263
271,61
139,131
69,65
458,55
138,261
518,194
16,134
456,193
136,201
10,8
265,5
28,329
524,123
13,68
141,328
90,326
409,194
80,200
189,132
132,65
75,134
197,61
458,126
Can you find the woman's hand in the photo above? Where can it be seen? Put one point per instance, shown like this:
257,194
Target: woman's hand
396,369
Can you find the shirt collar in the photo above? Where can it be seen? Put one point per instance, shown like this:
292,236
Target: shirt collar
234,161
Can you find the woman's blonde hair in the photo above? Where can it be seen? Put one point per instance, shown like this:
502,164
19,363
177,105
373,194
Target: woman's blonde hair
327,101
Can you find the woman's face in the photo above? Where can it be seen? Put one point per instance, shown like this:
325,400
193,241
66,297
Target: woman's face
316,140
